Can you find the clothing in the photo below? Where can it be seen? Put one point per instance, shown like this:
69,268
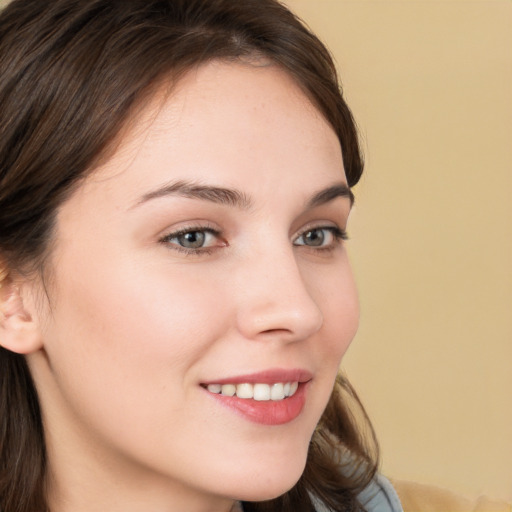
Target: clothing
379,496
427,498
382,496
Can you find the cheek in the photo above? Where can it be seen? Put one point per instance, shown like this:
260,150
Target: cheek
124,351
148,315
345,315
334,291
338,300
120,342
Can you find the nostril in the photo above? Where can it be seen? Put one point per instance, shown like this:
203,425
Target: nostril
276,331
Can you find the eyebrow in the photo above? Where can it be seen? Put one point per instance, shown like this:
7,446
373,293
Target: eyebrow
219,195
330,193
236,198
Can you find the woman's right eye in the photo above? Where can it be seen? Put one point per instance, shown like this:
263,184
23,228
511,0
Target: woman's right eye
193,240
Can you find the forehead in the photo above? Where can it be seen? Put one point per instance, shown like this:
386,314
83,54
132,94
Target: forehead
228,122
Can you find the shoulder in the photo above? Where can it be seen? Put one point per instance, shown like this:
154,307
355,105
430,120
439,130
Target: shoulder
383,495
380,496
428,498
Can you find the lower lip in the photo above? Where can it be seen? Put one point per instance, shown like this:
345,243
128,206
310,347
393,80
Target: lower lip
267,412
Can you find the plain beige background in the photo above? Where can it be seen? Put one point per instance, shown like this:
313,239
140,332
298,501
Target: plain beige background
430,85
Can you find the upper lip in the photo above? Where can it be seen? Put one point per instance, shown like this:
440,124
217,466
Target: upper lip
270,376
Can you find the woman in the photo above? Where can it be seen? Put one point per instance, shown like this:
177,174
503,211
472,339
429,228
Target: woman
176,296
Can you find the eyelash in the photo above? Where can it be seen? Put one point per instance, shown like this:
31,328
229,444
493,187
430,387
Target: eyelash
338,234
191,229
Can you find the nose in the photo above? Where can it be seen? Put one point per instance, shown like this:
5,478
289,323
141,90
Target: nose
274,300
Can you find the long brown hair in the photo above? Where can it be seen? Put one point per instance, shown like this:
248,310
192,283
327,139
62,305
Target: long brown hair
72,74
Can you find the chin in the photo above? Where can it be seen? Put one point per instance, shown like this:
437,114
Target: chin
267,491
271,482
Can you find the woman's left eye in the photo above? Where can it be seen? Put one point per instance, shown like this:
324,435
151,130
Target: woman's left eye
321,237
192,240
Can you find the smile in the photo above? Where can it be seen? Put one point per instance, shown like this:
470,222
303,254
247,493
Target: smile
258,391
271,397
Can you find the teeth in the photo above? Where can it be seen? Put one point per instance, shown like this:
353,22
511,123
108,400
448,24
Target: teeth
214,388
244,391
228,390
277,391
259,392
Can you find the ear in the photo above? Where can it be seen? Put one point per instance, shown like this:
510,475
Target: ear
19,328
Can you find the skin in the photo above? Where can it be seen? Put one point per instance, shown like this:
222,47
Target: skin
136,324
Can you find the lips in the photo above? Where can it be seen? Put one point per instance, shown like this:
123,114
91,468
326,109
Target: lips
272,397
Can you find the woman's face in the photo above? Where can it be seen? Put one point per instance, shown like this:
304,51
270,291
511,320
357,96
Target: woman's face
205,255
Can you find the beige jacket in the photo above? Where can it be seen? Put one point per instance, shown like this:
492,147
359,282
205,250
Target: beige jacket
425,498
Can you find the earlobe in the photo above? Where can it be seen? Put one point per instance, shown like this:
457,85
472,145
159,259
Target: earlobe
19,330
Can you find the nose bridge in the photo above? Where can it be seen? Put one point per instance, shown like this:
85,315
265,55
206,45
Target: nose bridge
276,299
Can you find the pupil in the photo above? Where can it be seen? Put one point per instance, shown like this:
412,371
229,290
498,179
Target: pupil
192,240
315,237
